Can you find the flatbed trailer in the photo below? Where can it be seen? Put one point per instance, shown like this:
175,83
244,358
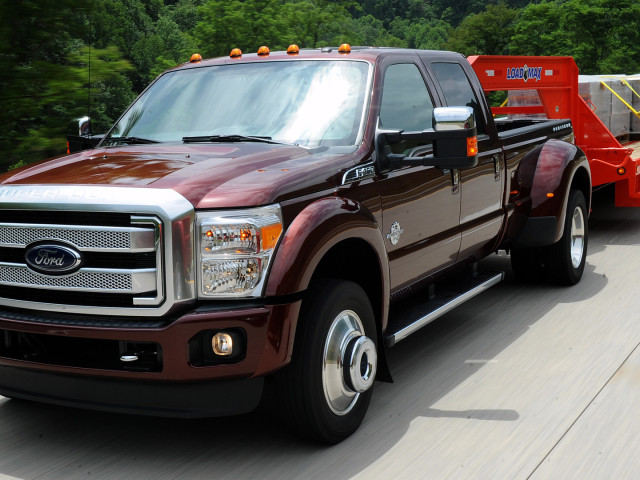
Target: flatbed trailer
556,81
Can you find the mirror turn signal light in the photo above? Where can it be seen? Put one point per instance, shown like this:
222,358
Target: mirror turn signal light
472,146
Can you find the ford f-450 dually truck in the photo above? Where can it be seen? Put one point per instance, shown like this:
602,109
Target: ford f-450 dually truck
275,219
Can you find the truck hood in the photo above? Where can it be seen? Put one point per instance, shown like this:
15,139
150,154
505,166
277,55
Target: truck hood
209,176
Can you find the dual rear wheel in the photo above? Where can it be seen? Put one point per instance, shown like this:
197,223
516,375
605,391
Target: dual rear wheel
564,261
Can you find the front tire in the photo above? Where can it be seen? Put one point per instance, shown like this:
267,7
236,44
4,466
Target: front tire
326,390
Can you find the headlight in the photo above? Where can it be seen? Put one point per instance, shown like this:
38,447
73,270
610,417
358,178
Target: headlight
235,249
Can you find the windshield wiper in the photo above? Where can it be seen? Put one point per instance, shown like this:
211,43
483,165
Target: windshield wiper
227,138
130,140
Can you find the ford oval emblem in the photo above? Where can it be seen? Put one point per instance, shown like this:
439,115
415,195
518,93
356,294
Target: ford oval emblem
53,259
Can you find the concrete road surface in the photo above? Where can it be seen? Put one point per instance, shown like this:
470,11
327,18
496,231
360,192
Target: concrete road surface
521,382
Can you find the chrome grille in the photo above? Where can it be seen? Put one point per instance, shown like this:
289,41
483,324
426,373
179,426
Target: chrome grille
135,244
140,238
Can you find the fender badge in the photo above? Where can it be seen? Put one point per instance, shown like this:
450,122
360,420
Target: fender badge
396,231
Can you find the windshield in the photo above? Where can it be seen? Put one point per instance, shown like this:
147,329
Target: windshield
300,102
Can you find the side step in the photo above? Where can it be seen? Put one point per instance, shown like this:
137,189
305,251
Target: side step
411,315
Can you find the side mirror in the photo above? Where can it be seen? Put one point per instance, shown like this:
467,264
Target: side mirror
453,137
84,140
84,126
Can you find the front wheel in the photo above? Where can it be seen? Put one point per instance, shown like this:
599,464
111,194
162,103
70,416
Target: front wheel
568,256
325,391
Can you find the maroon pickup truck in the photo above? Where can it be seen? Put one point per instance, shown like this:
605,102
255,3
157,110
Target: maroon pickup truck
274,222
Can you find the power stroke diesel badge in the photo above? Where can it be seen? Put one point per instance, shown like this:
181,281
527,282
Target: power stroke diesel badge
52,259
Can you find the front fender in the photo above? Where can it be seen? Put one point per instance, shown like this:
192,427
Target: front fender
545,178
314,231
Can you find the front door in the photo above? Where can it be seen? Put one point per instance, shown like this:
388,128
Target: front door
420,205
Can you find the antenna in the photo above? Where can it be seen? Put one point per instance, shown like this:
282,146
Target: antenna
89,132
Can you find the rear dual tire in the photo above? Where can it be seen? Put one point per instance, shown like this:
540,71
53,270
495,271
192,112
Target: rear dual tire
564,261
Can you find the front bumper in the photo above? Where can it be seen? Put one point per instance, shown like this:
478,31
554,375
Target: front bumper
190,400
89,373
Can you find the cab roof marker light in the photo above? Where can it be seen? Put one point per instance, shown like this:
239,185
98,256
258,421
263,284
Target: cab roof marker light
263,51
293,49
344,48
195,58
235,53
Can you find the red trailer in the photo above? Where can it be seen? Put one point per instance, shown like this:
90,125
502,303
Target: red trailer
556,81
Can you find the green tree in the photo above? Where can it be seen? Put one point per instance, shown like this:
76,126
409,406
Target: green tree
44,77
538,30
246,25
485,33
316,23
603,35
422,33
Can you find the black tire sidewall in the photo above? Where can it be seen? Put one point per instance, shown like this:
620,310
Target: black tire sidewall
561,266
321,306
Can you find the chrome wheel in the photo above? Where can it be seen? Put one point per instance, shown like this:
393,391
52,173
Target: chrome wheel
577,237
349,362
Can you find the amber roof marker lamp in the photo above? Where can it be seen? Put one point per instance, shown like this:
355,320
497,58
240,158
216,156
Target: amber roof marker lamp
345,48
195,58
236,53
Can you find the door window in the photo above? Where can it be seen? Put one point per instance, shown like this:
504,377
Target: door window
457,89
406,104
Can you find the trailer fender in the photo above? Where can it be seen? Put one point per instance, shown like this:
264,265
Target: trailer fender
544,181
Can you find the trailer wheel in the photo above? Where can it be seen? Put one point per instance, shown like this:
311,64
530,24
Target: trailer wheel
567,257
528,264
325,391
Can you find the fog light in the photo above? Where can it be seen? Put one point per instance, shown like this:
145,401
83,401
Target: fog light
222,344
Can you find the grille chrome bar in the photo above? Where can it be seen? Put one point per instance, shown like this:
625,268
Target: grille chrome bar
86,239
84,280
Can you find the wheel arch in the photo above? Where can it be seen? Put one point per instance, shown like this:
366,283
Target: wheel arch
557,168
333,238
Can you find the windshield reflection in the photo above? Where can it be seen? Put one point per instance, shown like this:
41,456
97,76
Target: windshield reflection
298,102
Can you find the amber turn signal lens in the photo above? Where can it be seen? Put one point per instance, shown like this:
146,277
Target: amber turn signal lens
622,171
235,53
195,58
472,146
270,235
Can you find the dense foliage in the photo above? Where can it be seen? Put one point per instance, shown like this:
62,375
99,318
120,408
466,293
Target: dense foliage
62,59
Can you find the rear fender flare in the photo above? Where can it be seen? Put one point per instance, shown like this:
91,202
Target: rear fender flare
554,166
